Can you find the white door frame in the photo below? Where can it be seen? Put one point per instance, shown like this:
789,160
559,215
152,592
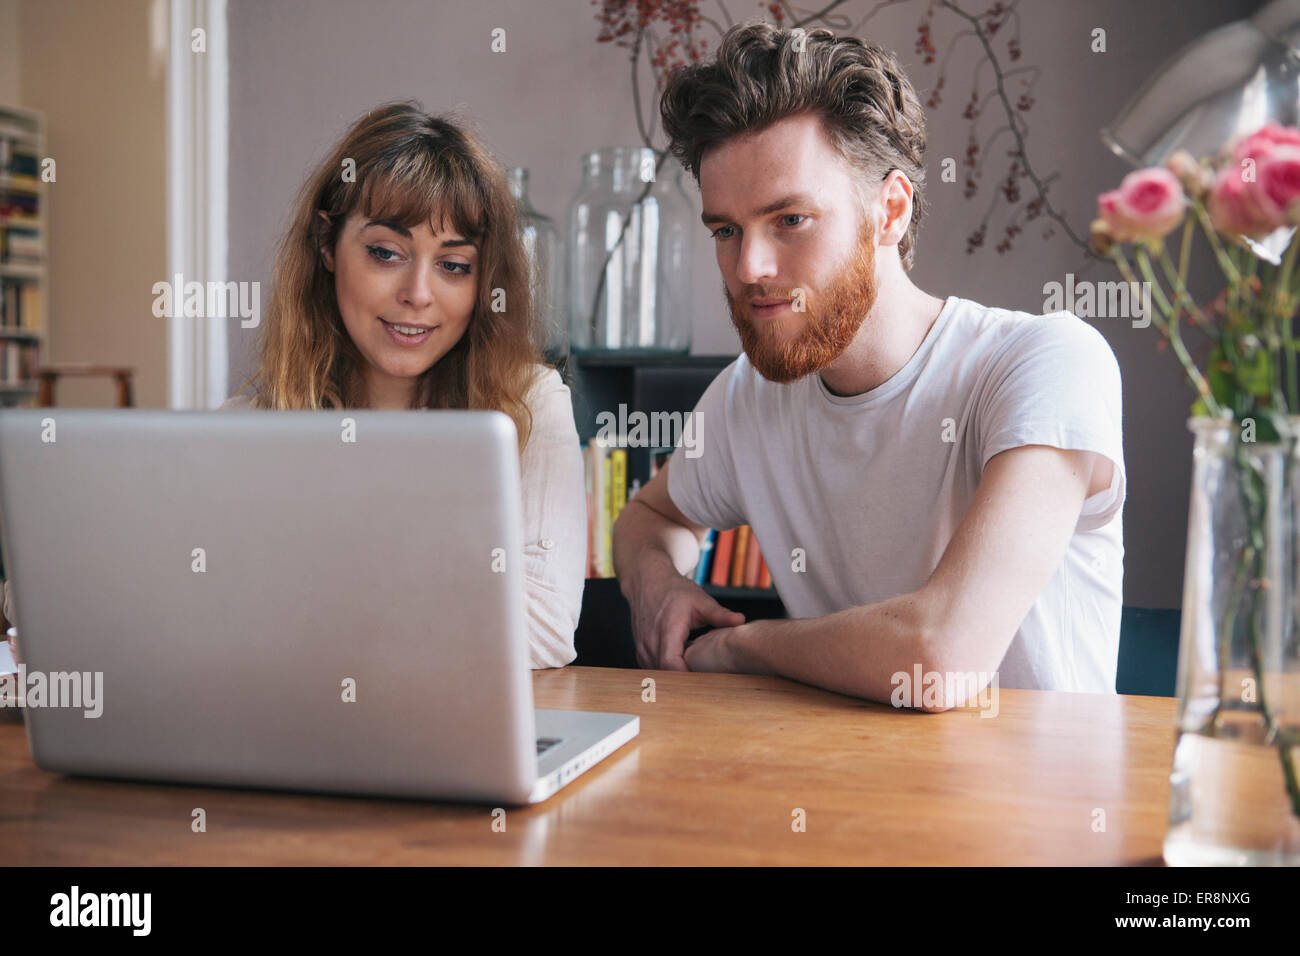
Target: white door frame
197,238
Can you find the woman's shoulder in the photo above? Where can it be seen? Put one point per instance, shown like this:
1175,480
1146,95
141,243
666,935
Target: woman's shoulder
544,384
550,405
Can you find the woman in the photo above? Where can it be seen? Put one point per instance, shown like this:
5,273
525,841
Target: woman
402,283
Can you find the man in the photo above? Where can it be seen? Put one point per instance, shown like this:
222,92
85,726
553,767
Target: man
935,484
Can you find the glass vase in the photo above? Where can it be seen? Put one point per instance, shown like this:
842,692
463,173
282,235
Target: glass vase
1234,797
629,276
542,241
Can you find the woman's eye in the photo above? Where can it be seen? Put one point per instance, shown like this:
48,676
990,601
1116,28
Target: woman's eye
456,267
717,233
381,253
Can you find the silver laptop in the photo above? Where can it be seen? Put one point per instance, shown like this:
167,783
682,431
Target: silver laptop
305,600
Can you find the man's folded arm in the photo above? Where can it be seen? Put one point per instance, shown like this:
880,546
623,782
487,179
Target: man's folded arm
651,527
1005,550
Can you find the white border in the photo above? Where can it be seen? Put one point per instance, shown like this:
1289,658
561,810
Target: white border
197,237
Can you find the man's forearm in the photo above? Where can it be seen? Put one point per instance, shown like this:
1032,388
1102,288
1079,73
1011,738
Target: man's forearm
645,541
856,651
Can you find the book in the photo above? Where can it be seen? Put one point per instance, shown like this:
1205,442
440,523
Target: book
722,549
618,473
589,481
752,561
597,467
606,563
703,566
29,306
764,575
737,576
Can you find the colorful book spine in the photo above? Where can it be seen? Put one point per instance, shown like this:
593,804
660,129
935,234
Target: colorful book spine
29,307
598,467
706,557
589,480
737,577
618,472
753,560
764,575
606,519
722,549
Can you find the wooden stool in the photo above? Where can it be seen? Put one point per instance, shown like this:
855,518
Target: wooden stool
50,374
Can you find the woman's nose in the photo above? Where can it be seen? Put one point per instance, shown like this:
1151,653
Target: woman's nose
417,290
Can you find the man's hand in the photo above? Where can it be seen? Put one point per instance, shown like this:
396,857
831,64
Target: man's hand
655,547
667,607
710,652
721,651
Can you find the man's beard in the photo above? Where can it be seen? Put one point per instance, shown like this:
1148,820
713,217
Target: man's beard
831,321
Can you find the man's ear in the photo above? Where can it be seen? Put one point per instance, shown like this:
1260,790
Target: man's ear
895,205
326,252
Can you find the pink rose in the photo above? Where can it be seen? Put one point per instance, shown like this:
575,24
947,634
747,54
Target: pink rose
1259,144
1277,186
1257,191
1235,206
1148,205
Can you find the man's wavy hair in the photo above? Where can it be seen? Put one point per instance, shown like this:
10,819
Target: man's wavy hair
409,166
761,75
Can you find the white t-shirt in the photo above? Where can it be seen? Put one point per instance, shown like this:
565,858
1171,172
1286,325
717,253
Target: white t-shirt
554,519
872,487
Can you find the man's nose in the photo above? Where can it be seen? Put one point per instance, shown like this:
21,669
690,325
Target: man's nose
756,262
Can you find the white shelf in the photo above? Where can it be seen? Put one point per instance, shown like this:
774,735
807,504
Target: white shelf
23,132
9,270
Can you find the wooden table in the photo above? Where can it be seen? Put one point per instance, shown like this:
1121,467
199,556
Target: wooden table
721,766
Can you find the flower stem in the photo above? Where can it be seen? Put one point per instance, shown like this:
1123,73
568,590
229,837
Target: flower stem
1254,500
1225,263
1175,340
1284,310
1184,298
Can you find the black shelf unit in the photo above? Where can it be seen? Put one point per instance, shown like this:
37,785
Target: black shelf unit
644,382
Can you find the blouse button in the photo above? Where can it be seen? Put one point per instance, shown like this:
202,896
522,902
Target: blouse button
547,544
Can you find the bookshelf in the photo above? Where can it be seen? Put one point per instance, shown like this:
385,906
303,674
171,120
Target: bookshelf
24,254
649,383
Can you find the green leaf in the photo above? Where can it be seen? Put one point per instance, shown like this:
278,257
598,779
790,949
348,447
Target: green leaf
1222,381
1266,428
1256,375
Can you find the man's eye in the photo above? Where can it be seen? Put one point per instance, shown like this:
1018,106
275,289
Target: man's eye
717,233
381,253
793,215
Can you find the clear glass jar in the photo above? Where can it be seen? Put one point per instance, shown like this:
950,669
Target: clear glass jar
629,276
542,240
1234,796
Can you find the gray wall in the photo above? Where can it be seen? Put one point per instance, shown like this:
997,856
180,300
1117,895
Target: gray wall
301,71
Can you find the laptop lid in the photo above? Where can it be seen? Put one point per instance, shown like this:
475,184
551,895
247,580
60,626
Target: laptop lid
316,600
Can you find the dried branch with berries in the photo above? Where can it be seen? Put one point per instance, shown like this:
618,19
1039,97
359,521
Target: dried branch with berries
672,33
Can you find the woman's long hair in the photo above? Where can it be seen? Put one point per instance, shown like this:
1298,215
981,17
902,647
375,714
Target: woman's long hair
399,163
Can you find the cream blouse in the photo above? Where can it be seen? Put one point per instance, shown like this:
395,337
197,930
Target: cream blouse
555,520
